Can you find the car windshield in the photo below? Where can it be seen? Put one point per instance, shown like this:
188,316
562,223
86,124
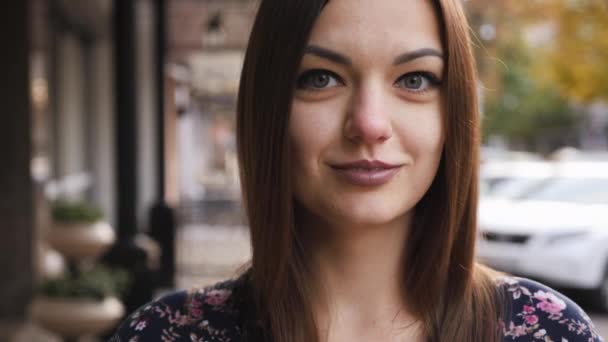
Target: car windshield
579,190
508,188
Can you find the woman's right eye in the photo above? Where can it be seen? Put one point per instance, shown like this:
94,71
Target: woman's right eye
318,79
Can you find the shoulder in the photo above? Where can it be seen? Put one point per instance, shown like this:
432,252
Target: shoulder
200,314
536,312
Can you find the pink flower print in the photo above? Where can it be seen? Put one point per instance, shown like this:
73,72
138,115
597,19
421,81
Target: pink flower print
196,302
520,330
550,304
217,297
140,325
540,334
515,330
579,326
531,320
182,319
516,294
518,291
194,310
528,309
196,313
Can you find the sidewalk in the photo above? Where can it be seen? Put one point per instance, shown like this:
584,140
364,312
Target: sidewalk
207,254
204,255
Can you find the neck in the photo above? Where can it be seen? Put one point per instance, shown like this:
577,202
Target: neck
357,271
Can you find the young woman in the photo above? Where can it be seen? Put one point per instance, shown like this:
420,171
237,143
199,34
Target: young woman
358,144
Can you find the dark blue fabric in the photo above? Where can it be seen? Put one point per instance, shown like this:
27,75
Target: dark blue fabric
215,314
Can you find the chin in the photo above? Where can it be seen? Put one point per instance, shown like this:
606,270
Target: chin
367,215
340,208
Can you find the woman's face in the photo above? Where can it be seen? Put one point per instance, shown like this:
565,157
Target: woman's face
366,122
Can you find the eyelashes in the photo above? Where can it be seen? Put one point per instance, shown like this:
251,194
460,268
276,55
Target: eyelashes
321,79
418,81
318,79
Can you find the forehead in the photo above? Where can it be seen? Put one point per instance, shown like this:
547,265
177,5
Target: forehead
382,28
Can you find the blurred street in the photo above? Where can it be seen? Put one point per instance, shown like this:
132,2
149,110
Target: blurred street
601,323
120,121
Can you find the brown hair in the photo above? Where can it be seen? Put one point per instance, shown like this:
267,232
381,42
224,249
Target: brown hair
454,298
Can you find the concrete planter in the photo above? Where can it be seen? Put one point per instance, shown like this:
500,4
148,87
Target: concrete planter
70,317
81,240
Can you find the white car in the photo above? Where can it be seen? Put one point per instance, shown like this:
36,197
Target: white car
511,179
556,232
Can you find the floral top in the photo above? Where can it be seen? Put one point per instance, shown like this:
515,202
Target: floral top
216,314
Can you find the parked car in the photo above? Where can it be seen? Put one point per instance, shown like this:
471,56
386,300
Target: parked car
495,154
510,179
556,232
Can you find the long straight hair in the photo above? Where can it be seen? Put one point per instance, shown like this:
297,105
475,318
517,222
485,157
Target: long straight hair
454,298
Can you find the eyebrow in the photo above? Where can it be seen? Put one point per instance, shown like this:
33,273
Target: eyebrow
339,58
328,54
412,55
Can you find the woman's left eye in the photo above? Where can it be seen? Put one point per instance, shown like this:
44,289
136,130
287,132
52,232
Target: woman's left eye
418,81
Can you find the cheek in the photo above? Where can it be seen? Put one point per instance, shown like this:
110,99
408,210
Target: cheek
312,129
421,131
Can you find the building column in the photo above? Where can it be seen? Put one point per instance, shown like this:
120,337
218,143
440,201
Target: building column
16,186
126,252
162,220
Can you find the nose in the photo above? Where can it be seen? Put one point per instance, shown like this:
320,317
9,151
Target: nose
368,121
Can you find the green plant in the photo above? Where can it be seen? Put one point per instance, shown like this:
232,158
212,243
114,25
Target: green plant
97,284
75,212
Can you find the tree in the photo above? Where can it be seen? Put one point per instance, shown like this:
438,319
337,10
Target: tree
537,58
525,110
577,63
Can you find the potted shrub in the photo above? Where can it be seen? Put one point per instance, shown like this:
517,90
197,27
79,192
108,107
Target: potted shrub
81,304
79,231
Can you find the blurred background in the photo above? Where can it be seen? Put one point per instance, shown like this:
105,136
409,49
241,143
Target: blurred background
120,181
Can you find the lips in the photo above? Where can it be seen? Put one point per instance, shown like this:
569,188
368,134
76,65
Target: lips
366,172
